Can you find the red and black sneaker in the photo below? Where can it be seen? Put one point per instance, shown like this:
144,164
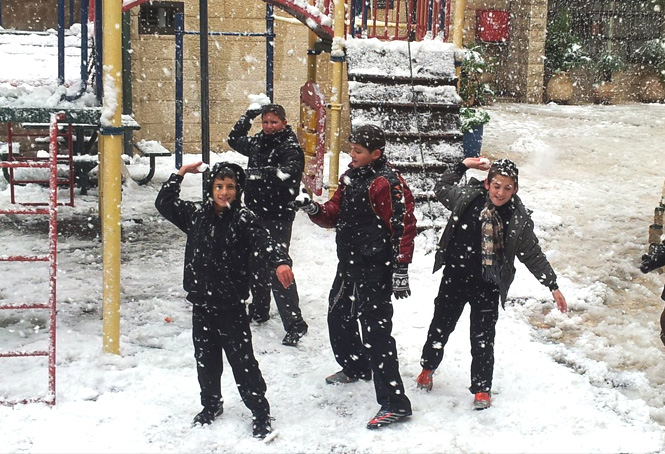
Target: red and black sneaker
385,417
482,401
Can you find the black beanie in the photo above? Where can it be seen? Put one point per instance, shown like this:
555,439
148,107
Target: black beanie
369,136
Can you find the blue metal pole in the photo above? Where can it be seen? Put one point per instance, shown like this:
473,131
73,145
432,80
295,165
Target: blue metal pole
71,12
99,49
442,18
205,91
430,15
61,42
179,102
270,51
84,42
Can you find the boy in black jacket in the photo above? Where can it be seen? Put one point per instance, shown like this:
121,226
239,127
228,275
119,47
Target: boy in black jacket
274,171
488,227
221,236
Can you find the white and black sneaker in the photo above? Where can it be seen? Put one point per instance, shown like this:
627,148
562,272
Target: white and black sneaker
262,427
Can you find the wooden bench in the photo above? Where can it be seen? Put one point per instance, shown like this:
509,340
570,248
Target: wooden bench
151,149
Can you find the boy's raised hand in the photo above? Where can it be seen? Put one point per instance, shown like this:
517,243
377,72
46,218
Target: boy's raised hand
195,167
479,163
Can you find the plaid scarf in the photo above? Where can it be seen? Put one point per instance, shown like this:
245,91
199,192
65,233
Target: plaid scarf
491,243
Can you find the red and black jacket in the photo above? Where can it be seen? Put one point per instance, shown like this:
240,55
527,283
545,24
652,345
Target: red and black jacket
372,210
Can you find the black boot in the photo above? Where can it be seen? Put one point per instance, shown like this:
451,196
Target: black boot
261,427
295,332
208,415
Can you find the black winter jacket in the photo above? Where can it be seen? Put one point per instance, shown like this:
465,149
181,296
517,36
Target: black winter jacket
520,239
274,170
218,246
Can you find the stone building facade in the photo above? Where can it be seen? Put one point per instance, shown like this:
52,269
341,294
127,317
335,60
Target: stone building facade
237,64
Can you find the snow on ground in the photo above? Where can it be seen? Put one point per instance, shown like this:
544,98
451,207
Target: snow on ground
587,381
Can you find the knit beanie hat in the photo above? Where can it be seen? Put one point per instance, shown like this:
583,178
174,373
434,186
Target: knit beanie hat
369,136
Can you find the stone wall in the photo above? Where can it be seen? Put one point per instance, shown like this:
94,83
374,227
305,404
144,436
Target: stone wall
237,68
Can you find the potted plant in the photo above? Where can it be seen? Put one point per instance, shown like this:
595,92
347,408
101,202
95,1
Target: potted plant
563,52
474,78
473,120
474,91
607,65
651,56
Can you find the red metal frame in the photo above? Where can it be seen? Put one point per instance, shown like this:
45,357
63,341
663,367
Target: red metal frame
51,257
68,159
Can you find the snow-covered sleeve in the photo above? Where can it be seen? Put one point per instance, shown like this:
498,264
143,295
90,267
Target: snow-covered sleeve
447,189
261,243
238,139
171,206
530,253
328,213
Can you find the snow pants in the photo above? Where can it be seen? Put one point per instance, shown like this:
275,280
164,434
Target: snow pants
360,327
263,279
483,299
227,331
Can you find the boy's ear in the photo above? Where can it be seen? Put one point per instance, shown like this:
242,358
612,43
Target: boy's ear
487,184
376,154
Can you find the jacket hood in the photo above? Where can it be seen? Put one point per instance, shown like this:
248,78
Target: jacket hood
222,168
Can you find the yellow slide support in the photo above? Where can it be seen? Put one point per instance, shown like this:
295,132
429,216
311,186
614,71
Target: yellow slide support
110,181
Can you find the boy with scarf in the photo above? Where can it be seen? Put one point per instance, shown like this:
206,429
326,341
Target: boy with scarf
221,236
372,212
488,227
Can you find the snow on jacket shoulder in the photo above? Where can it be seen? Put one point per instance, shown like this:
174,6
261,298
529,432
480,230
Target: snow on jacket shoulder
218,247
520,241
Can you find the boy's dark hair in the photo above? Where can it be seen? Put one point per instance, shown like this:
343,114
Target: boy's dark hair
504,167
369,136
275,109
228,170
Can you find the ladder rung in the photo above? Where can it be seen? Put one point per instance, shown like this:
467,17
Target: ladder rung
39,181
22,354
37,211
32,164
48,400
24,258
26,306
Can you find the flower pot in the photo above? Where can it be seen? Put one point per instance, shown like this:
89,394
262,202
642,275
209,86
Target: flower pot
603,93
473,142
652,89
560,88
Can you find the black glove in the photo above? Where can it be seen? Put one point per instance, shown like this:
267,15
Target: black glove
304,203
401,287
253,113
654,259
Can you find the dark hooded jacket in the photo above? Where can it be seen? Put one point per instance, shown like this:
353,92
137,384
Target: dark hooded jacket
372,210
520,239
274,169
218,246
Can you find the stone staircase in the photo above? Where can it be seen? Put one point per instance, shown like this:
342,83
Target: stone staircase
417,106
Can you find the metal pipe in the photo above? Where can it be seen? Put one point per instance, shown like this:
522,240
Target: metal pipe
179,101
270,51
337,58
61,42
111,176
205,90
100,50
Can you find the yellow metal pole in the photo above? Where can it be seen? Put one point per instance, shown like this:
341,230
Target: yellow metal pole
337,57
111,160
311,57
458,32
